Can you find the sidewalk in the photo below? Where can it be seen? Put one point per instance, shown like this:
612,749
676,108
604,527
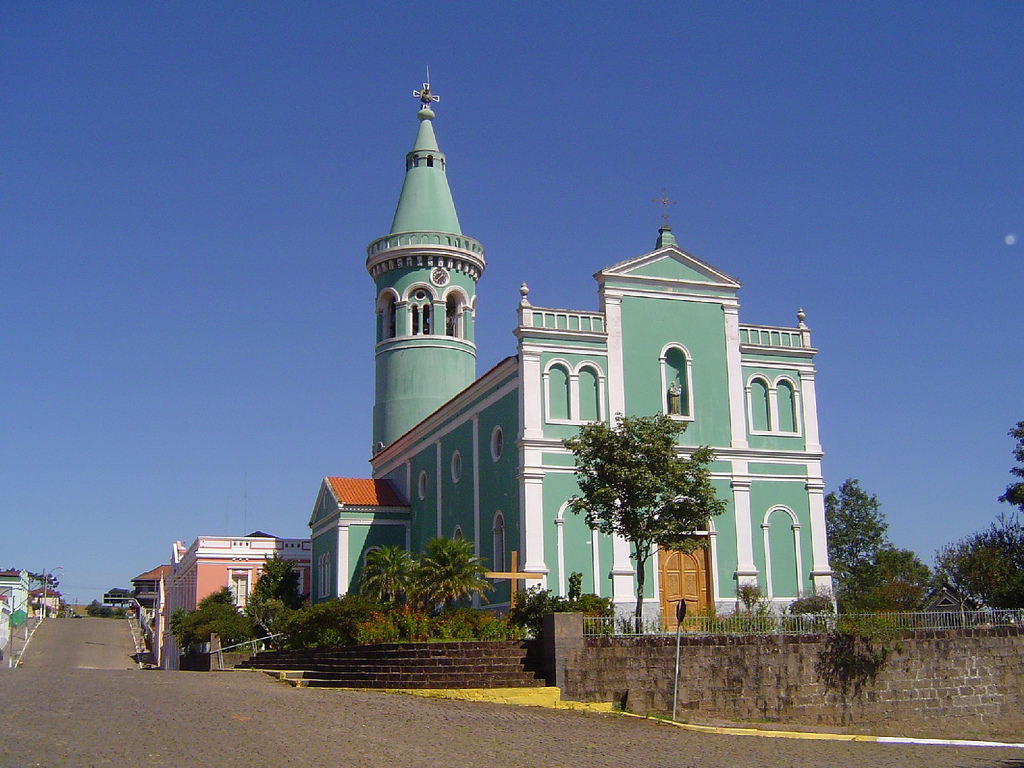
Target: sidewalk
17,642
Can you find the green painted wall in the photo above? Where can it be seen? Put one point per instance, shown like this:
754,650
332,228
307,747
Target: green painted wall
647,326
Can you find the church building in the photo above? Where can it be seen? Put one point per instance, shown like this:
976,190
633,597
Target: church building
481,458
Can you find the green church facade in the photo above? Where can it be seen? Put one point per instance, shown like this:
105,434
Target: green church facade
483,458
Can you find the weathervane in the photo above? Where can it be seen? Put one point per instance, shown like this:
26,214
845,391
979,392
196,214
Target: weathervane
426,96
665,203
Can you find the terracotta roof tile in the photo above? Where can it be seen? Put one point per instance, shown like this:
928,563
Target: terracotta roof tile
362,492
156,573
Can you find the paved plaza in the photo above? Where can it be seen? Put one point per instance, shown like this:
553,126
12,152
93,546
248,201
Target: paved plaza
79,701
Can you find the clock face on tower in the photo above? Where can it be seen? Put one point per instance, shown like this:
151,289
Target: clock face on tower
439,276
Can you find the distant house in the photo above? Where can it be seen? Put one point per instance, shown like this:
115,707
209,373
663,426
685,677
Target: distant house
14,590
211,563
44,601
14,604
148,590
118,597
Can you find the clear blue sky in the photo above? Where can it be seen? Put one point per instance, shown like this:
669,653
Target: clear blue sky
187,190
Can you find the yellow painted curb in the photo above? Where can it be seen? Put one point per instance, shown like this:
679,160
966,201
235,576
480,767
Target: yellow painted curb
530,697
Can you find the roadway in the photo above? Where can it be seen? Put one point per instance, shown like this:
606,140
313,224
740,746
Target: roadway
79,700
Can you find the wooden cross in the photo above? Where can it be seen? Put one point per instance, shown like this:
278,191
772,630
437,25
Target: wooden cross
513,575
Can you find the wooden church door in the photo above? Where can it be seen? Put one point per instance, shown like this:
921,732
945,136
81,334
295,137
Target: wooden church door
683,576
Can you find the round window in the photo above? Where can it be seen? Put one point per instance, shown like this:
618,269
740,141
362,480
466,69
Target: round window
456,466
421,295
497,443
421,485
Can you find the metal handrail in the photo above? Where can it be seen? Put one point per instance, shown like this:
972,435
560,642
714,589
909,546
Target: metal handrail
260,640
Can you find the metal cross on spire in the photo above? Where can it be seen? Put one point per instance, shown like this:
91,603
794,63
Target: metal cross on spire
426,96
665,203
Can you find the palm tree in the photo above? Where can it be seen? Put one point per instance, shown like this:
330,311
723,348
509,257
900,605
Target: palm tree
448,571
387,573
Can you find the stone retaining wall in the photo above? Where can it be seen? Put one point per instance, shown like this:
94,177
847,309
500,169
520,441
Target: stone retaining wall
971,679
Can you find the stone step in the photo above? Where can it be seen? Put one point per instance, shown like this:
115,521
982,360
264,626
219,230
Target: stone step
407,665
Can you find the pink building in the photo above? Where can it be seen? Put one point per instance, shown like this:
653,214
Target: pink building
214,562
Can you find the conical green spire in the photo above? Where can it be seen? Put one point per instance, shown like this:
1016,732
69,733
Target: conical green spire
425,204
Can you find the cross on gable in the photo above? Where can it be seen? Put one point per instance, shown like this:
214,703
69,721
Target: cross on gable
513,575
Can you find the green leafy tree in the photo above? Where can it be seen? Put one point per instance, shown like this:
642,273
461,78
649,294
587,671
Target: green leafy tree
900,580
633,483
1015,491
275,593
986,568
856,530
448,571
216,614
388,574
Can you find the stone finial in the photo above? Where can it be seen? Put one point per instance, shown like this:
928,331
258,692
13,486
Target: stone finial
524,292
800,317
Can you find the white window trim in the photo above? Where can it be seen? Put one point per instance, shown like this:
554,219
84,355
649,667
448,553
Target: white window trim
773,406
795,526
497,435
573,373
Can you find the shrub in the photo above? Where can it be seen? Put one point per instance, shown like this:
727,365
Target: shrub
532,606
216,614
330,624
818,603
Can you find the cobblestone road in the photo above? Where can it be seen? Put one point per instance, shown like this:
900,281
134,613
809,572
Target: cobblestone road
55,716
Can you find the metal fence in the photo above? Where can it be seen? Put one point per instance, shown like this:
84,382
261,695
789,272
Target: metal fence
806,624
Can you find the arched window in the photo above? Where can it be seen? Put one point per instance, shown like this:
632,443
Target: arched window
420,312
760,419
457,536
498,542
558,393
590,395
454,307
786,397
386,310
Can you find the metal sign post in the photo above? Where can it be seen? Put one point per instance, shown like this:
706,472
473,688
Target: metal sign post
680,615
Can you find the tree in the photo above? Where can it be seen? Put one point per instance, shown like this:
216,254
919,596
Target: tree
275,592
634,483
856,531
216,614
986,568
387,574
449,571
900,582
1015,491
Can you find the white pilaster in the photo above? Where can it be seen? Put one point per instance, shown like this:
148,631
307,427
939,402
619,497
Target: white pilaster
734,375
623,572
821,572
809,402
746,571
343,560
476,485
437,489
531,524
530,415
612,305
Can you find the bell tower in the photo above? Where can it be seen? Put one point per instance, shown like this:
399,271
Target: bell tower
425,272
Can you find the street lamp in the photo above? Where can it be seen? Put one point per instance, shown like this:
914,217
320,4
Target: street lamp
45,583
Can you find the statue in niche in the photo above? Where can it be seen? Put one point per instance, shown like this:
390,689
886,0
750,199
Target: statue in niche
674,393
